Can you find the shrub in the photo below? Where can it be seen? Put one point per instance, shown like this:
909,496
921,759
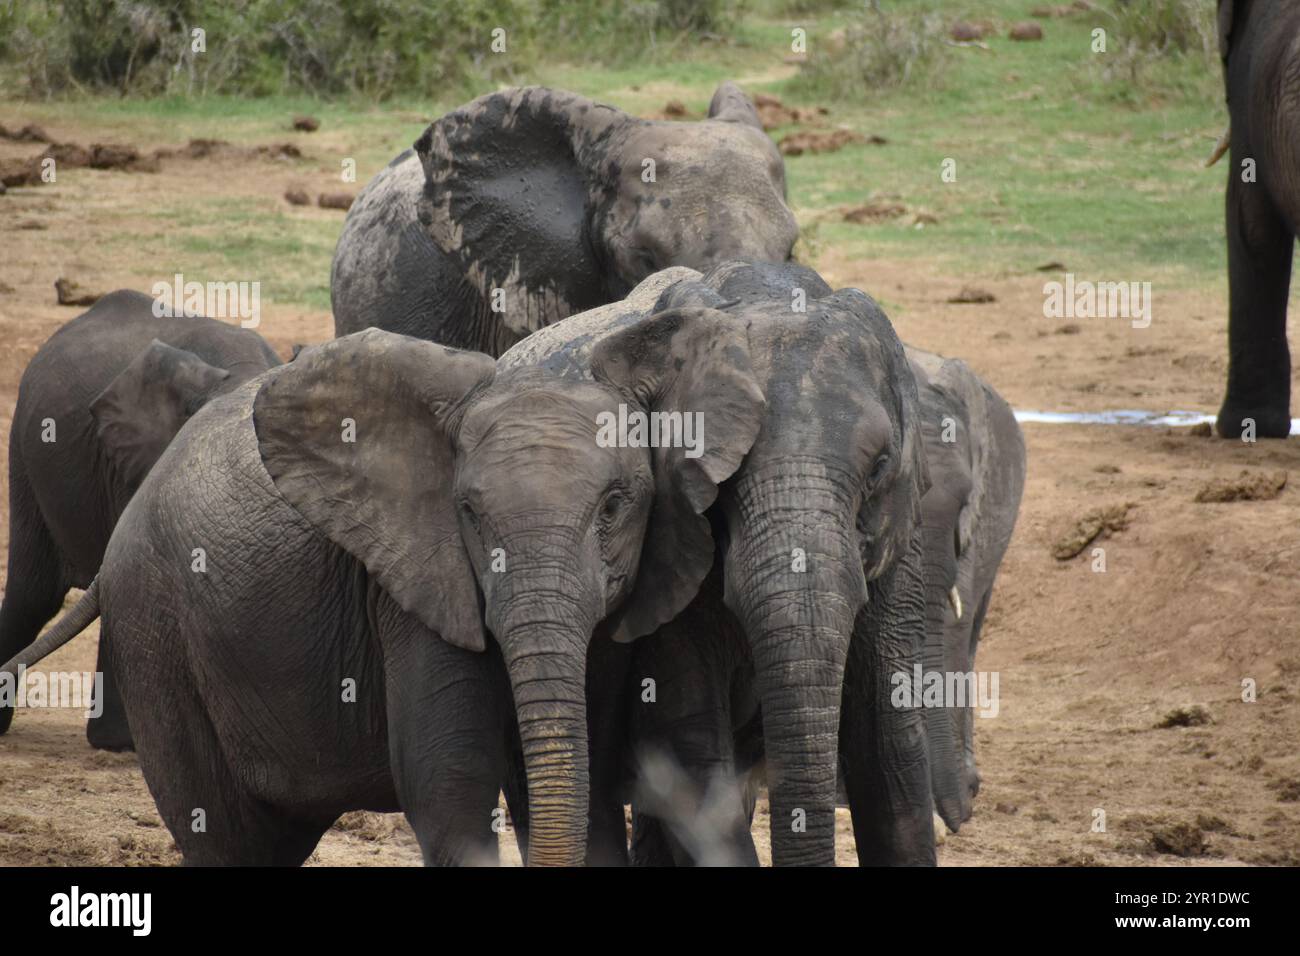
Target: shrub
373,47
878,49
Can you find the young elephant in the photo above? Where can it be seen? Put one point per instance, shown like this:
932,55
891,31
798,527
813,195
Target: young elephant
818,575
1260,46
529,205
97,405
976,457
296,599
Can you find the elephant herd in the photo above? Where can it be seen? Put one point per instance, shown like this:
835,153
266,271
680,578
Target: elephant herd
597,498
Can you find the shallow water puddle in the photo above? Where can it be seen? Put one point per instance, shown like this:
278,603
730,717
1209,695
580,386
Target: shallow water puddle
1126,417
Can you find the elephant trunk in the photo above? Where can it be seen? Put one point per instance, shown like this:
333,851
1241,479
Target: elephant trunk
795,581
544,634
943,724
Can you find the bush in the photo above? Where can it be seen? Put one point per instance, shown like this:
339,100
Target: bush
376,48
877,50
1162,47
1167,27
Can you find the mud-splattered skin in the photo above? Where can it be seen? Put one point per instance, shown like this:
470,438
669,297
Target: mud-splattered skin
818,572
98,404
549,198
976,457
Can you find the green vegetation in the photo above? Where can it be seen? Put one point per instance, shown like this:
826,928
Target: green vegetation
1061,153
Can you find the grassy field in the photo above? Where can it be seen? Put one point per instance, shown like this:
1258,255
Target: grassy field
1055,160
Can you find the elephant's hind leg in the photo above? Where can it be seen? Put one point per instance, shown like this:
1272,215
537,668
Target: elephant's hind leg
36,583
201,799
109,730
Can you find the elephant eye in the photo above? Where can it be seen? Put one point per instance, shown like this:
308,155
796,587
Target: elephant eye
878,469
612,506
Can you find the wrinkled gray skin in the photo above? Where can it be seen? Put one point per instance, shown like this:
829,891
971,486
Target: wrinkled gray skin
837,472
976,480
471,501
539,193
118,382
1260,46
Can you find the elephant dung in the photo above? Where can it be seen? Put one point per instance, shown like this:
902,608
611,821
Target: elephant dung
1100,522
1248,486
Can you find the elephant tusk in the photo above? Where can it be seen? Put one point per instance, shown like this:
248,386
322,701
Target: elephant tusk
955,600
1220,148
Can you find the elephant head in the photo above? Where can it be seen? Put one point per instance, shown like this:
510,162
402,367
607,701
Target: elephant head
478,496
141,410
976,458
818,517
565,204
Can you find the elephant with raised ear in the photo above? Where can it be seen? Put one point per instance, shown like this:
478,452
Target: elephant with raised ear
819,549
529,205
369,513
1260,47
976,457
97,405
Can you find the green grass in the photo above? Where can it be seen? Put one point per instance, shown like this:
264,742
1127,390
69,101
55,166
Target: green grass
1055,160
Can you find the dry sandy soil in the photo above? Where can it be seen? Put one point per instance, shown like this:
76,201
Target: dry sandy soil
1195,599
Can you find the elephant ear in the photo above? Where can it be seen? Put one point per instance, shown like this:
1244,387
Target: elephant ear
357,435
692,361
891,527
731,105
970,398
141,410
1225,27
508,196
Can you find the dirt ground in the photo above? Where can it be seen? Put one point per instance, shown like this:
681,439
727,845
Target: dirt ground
1196,597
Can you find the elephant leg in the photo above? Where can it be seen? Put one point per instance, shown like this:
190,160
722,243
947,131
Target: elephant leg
607,667
202,802
1260,245
36,583
883,746
446,710
108,730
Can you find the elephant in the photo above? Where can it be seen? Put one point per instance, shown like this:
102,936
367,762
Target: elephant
976,458
1258,44
815,596
531,204
366,516
97,405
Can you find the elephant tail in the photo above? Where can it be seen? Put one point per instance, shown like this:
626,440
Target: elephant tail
81,616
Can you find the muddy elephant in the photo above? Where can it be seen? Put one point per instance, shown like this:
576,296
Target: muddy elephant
305,631
815,547
1260,46
529,205
97,405
976,457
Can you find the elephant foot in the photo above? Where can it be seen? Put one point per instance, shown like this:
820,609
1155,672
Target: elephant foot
108,736
6,718
1270,422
